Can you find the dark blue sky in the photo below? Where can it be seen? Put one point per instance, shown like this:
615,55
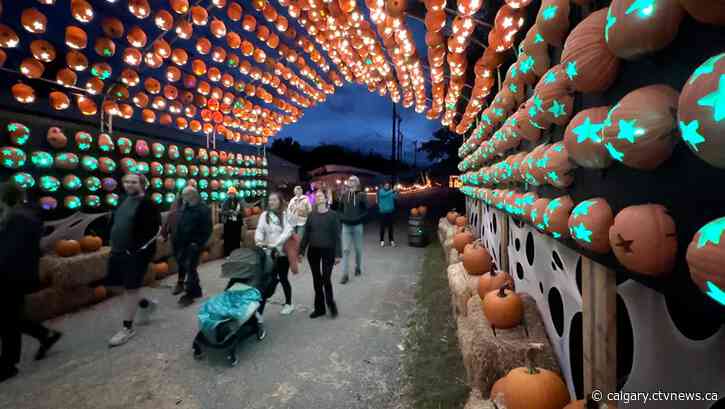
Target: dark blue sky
358,119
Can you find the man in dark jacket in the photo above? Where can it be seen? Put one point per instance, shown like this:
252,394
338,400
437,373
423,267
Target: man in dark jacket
135,226
192,232
20,232
353,209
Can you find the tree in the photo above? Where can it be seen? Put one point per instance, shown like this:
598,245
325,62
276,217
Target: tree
288,149
443,148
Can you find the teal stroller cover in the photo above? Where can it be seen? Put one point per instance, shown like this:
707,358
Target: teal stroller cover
231,308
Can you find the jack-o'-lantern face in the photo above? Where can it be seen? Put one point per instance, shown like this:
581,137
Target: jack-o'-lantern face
66,161
105,142
124,146
89,163
107,165
84,140
8,37
18,133
173,152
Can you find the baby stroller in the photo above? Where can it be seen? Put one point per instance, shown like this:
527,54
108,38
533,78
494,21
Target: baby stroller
229,318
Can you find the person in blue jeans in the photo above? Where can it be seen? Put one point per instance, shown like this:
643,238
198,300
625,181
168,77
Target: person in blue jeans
386,207
353,209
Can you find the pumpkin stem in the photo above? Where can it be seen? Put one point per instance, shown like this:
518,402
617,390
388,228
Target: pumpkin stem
531,353
502,290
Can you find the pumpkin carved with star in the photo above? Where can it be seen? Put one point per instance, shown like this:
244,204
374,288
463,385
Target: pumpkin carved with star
701,111
644,239
556,215
706,259
589,224
638,27
583,138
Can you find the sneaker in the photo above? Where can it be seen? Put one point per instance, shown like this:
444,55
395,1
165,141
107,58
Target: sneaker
392,244
382,244
47,343
358,272
147,308
260,318
121,337
287,309
261,333
345,279
7,373
186,300
333,310
317,314
178,288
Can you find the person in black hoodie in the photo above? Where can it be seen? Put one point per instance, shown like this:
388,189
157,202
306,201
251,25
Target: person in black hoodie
353,211
135,226
21,230
192,232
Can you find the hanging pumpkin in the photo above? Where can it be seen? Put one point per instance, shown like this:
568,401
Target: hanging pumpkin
107,165
48,203
67,248
142,148
707,12
90,243
492,281
706,259
66,161
644,239
532,387
583,138
72,182
640,129
701,111
23,93
589,64
636,28
476,259
552,21
589,225
72,202
18,133
558,168
124,145
503,308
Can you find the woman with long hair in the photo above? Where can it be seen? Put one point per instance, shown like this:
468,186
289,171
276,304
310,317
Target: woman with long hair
273,230
299,208
21,231
322,234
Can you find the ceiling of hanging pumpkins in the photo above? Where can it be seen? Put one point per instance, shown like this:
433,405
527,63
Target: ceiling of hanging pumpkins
246,70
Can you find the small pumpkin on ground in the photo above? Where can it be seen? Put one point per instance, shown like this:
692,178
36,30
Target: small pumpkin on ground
160,269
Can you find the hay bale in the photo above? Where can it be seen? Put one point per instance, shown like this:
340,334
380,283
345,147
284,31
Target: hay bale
462,286
251,222
476,401
71,272
42,305
453,257
487,357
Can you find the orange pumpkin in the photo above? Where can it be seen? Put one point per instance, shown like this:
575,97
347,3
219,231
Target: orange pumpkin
590,66
42,50
644,239
90,243
422,210
497,391
708,12
589,224
706,257
8,37
639,29
112,27
462,239
33,20
100,293
256,210
537,213
25,94
556,216
67,248
76,60
701,122
640,131
493,280
476,259
553,21
56,138
160,269
503,308
58,100
532,387
558,167
76,38
583,138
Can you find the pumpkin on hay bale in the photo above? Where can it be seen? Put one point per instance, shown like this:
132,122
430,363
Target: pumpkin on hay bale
476,259
503,308
492,281
451,216
90,243
67,248
462,239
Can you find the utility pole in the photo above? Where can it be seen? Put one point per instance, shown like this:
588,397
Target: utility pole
393,139
415,153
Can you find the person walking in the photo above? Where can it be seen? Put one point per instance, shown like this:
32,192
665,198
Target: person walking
192,232
273,230
232,213
21,230
354,208
167,232
298,209
322,235
135,226
386,207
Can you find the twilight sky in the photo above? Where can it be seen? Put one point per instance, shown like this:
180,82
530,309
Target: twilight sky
358,119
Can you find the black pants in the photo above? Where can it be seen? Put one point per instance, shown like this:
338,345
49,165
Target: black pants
232,236
386,222
188,260
280,275
321,279
13,325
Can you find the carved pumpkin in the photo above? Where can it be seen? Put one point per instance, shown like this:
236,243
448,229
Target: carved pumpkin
492,281
708,12
158,150
49,184
157,198
644,239
636,28
56,138
111,199
556,216
75,38
109,184
169,169
476,259
107,165
72,182
538,209
461,239
142,168
532,387
76,60
173,152
706,258
67,248
90,243
156,183
558,169
583,138
552,98
42,50
66,161
701,111
553,21
142,148
58,100
128,165
33,20
48,203
84,140
72,202
89,163
8,37
641,126
589,225
503,308
23,180
124,146
589,64
18,133
42,160
112,27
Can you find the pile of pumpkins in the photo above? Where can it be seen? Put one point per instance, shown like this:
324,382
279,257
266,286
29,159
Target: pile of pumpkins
419,211
252,211
69,248
458,220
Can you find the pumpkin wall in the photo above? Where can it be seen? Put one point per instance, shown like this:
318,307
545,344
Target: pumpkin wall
670,326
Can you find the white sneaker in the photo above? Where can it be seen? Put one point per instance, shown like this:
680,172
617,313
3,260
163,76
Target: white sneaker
122,337
287,309
260,319
144,314
392,244
382,244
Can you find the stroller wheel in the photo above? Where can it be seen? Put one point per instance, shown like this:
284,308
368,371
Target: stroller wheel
232,359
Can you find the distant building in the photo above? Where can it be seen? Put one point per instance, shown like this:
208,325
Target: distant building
334,175
283,174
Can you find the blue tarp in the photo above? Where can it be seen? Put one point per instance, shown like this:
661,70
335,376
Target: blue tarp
232,307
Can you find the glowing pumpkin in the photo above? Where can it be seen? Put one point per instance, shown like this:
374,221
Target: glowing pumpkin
111,200
42,160
124,146
636,28
169,169
66,161
72,182
89,163
589,224
583,138
706,259
48,203
556,216
84,140
109,184
173,152
552,21
92,201
23,93
23,180
142,148
18,133
72,202
128,165
107,165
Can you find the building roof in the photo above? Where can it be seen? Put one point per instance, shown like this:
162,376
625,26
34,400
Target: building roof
327,169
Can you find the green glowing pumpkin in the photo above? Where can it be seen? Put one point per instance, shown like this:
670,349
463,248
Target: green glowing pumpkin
42,160
23,180
13,158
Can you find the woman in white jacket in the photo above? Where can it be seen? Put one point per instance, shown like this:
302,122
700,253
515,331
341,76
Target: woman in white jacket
299,208
274,228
